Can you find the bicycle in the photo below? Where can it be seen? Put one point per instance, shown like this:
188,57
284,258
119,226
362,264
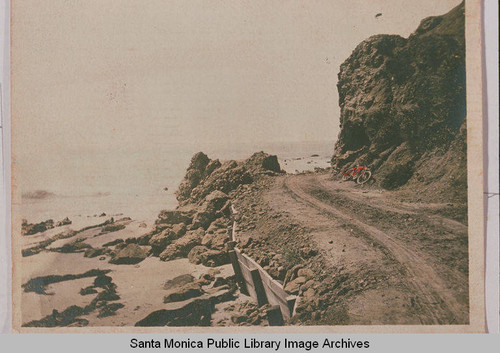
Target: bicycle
359,174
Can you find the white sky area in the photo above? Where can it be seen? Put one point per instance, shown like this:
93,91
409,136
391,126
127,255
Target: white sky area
197,70
123,75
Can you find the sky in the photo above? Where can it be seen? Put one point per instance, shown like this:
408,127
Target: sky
115,75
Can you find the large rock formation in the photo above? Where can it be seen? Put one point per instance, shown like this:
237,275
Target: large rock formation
402,102
204,175
199,228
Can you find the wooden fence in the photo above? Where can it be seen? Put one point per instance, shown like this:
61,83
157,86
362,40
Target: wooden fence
257,283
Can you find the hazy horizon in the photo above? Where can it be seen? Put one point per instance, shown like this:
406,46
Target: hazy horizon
136,76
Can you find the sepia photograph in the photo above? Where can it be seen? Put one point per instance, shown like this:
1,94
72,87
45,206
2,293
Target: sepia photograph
239,165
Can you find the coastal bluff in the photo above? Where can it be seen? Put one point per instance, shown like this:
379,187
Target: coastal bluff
403,107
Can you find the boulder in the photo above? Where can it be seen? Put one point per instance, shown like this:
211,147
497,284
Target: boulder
263,161
29,228
218,224
199,161
194,175
173,217
309,294
88,290
209,210
182,246
75,246
292,273
215,240
192,312
94,252
203,219
305,272
109,309
294,286
64,222
178,281
144,239
212,258
225,178
179,229
184,292
131,254
160,241
190,181
216,200
196,311
211,166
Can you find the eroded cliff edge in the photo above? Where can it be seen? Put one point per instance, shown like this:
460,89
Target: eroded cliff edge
403,108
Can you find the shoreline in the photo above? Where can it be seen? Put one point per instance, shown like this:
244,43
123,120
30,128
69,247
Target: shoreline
306,230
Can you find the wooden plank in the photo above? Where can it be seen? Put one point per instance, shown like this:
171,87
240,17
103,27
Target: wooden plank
259,284
274,291
249,281
274,316
259,287
237,272
235,226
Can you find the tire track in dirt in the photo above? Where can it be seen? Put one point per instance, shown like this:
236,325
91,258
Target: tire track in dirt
441,306
383,204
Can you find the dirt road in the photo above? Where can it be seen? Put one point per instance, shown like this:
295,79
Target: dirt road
407,261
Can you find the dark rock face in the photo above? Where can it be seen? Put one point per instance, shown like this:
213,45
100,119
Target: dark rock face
403,97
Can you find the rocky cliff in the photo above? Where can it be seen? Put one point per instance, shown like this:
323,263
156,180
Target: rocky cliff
403,107
200,228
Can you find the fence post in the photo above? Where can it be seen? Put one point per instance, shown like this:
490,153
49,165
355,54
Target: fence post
290,300
259,287
274,316
237,272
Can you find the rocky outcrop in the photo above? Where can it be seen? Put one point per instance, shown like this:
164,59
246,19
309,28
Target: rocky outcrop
199,228
204,175
216,205
33,228
216,236
30,228
63,222
403,98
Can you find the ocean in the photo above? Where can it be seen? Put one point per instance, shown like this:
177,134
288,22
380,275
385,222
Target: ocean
141,183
